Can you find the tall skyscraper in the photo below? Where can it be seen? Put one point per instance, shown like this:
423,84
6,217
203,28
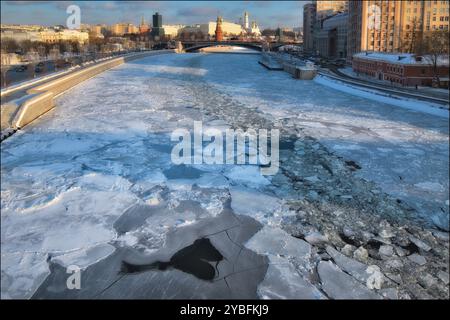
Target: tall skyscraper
309,18
393,25
157,30
157,20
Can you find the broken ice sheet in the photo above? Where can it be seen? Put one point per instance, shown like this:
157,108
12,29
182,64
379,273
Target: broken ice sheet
277,242
260,206
22,273
84,257
282,281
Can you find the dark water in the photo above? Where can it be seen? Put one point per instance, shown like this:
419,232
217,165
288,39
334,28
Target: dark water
194,259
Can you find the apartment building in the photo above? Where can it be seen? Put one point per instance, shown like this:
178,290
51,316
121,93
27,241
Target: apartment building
393,25
309,19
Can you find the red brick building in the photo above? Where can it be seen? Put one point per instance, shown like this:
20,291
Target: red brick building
402,69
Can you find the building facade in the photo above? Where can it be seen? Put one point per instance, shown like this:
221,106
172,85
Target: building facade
228,28
172,31
325,9
46,35
119,29
399,69
393,25
20,35
309,19
331,39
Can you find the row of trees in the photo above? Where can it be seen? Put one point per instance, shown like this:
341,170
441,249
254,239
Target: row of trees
416,41
43,48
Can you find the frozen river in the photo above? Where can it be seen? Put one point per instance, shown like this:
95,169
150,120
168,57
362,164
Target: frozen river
105,148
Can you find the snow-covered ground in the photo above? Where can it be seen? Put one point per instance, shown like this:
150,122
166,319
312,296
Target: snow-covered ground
373,94
68,176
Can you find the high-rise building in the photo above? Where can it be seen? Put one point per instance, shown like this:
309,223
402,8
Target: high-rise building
329,8
157,30
393,25
157,20
309,18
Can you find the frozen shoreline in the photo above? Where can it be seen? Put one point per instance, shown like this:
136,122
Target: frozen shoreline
405,103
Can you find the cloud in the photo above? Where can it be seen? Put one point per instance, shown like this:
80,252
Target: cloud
198,12
266,13
20,3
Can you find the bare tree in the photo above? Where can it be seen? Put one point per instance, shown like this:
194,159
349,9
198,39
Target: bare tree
9,45
416,35
411,37
436,45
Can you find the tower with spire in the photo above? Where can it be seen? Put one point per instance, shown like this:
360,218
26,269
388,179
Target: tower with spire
246,20
143,26
219,32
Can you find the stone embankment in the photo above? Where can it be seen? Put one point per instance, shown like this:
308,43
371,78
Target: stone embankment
272,61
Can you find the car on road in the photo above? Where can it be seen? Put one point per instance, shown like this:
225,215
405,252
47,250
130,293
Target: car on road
21,68
339,62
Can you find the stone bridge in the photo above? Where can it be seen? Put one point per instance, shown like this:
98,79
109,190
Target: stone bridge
191,46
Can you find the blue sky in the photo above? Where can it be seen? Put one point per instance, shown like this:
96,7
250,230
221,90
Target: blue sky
269,14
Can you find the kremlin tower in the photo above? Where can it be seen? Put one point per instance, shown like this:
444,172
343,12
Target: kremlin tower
219,33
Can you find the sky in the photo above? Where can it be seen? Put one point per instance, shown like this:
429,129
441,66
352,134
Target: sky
268,14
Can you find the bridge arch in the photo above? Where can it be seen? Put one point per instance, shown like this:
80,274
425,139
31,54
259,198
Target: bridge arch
191,47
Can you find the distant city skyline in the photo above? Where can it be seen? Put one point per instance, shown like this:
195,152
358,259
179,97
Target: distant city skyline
268,14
